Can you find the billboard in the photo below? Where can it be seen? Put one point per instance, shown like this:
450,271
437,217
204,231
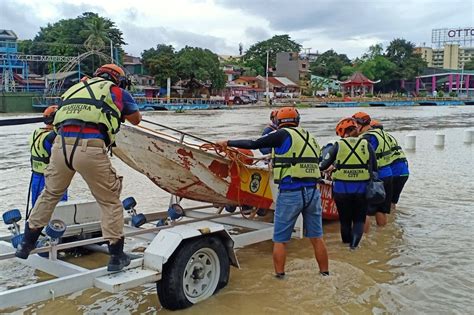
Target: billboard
463,36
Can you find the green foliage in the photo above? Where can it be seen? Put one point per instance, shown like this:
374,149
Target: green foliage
189,63
409,64
369,95
453,94
69,37
338,94
469,65
347,71
374,51
161,63
317,84
423,94
256,56
330,64
378,68
200,64
440,94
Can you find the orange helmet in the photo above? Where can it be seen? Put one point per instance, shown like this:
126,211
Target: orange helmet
288,116
362,118
111,72
376,124
344,124
49,113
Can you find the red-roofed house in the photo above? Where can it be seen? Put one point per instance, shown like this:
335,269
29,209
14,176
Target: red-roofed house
358,84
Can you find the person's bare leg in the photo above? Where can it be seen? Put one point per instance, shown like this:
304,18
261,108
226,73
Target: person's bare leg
279,257
367,224
320,253
381,219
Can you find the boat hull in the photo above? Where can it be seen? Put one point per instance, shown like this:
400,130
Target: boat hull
189,172
186,170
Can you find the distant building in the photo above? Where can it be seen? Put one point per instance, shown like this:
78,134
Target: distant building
452,47
133,65
293,66
451,56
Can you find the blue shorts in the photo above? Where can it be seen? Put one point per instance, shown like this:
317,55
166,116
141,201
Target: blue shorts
289,205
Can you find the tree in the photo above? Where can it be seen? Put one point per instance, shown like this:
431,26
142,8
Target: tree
200,64
67,37
318,84
469,65
378,68
256,55
399,50
97,34
329,64
408,64
374,51
161,63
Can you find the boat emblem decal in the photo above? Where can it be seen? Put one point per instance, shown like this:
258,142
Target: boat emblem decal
255,182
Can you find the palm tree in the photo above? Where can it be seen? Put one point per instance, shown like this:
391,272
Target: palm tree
97,34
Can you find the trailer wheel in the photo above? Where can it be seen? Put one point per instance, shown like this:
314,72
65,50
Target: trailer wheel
197,270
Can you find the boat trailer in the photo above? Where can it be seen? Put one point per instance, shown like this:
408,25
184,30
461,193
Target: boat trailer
188,253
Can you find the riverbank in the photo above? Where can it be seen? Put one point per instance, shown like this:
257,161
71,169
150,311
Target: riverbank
33,103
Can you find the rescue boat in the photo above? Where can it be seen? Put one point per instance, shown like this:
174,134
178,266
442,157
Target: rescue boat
193,168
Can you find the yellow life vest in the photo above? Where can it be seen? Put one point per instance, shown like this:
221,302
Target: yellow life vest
90,103
352,160
39,155
301,161
397,151
383,153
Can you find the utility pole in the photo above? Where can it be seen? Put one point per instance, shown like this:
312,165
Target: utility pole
111,51
267,96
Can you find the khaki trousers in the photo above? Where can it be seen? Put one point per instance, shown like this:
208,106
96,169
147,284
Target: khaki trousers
93,164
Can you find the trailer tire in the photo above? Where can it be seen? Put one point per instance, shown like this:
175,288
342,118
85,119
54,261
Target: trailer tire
176,290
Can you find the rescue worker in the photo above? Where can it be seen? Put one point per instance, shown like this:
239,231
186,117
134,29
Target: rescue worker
353,160
295,156
40,142
382,146
87,120
272,126
399,166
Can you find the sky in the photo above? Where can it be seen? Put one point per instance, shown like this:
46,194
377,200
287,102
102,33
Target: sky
347,26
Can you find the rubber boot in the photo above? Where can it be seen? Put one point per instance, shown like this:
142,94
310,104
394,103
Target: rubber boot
28,243
118,259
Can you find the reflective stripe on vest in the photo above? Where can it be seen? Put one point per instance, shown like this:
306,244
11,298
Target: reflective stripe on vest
301,161
39,155
91,103
352,160
383,153
397,151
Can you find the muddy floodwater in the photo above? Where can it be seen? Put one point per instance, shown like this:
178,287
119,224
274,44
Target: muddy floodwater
422,262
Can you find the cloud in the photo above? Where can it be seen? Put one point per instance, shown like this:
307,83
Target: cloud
141,38
349,21
255,33
18,17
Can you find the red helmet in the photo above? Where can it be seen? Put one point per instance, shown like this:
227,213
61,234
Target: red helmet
362,118
344,124
376,124
288,116
49,113
111,72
